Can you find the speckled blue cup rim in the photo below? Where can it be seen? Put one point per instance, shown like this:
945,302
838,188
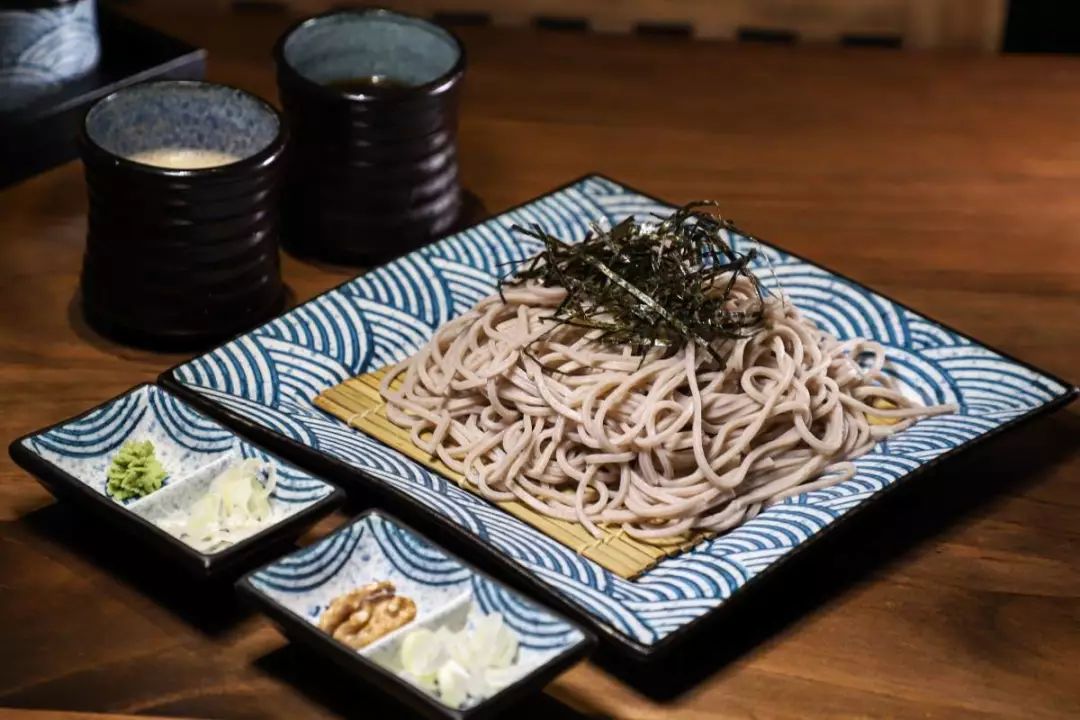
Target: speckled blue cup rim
253,162
437,86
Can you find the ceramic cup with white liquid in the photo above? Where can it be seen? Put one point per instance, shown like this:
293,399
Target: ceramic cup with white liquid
182,242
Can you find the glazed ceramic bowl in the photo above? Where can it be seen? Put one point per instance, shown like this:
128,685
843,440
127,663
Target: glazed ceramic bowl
372,98
181,256
44,43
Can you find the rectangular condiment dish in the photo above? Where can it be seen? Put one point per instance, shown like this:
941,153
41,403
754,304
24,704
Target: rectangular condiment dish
72,458
294,591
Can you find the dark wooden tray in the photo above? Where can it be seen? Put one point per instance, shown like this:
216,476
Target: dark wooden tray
43,134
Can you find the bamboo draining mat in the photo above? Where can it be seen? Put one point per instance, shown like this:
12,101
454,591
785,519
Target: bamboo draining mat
357,402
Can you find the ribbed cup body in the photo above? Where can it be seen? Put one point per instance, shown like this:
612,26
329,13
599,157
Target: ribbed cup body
181,258
370,175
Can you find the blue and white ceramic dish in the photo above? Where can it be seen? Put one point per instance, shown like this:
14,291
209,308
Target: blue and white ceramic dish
73,457
44,43
266,380
296,589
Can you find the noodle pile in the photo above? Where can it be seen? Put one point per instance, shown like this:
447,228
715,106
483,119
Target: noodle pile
656,441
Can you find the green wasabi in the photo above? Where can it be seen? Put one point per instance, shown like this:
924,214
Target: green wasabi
135,471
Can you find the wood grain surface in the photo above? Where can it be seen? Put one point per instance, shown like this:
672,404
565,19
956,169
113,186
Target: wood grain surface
947,181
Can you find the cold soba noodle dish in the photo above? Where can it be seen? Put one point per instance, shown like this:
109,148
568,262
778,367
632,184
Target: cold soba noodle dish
643,379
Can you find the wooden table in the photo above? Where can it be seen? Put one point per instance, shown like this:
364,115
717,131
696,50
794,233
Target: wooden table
948,182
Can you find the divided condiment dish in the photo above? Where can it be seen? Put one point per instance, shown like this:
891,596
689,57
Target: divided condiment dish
295,591
72,459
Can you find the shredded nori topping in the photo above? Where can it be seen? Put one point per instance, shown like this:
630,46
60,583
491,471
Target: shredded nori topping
650,284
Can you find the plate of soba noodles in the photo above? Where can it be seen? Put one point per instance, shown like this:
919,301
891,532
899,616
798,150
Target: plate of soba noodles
636,409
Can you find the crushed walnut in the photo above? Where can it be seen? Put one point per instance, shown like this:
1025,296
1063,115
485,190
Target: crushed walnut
366,614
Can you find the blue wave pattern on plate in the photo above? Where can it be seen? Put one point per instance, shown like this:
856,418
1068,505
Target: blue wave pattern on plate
184,440
376,548
271,375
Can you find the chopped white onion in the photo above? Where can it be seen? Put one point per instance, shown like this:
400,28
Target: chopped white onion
505,648
498,678
422,653
474,662
235,506
453,683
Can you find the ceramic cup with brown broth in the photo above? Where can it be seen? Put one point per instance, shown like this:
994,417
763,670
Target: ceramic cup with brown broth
371,97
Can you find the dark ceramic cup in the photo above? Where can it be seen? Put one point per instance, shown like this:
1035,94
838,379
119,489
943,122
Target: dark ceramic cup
371,98
183,227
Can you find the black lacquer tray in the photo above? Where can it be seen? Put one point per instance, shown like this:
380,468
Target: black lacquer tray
43,134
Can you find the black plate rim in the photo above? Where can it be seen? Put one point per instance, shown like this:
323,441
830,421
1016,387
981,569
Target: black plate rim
289,622
65,486
348,475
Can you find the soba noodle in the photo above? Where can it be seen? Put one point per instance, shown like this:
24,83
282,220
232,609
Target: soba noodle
657,442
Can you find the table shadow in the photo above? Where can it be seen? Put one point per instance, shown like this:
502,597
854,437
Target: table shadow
121,347
473,211
866,543
210,607
339,692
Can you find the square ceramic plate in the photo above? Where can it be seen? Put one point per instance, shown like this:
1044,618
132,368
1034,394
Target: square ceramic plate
265,380
72,458
295,590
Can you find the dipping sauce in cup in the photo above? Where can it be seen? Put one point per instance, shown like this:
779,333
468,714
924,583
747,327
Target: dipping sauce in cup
183,228
183,158
371,97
